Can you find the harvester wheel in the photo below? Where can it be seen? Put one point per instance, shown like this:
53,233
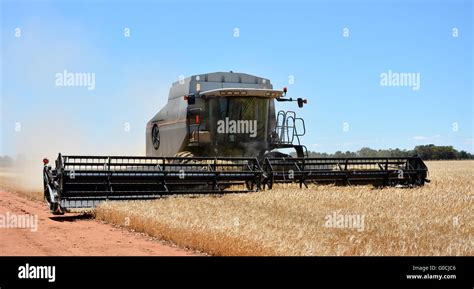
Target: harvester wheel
184,154
189,155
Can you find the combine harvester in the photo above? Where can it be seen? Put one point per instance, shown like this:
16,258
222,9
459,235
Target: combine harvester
218,133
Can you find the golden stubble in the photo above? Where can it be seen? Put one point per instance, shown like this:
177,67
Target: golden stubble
435,219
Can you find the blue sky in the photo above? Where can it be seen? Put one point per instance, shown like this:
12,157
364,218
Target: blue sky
279,40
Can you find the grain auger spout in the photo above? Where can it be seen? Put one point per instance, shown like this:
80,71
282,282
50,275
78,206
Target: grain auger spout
218,133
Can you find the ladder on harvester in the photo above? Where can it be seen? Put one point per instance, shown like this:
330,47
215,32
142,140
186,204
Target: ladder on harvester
287,130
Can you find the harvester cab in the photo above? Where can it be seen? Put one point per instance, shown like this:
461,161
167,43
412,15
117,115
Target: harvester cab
218,133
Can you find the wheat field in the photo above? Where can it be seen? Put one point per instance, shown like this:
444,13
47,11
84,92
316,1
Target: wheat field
436,219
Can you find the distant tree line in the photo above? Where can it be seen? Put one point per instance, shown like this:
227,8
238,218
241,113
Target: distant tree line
6,161
426,152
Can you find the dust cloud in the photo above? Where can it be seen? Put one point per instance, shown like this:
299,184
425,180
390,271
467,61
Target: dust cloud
46,138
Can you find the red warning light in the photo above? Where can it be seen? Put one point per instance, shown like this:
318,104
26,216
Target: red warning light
45,161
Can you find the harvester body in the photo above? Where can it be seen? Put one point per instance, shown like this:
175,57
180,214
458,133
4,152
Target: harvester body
218,114
218,133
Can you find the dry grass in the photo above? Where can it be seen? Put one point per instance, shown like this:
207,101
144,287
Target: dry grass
435,219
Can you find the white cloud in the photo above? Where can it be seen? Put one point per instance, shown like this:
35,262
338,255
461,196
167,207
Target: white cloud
426,138
418,137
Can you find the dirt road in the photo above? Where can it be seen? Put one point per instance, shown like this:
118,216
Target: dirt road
70,235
